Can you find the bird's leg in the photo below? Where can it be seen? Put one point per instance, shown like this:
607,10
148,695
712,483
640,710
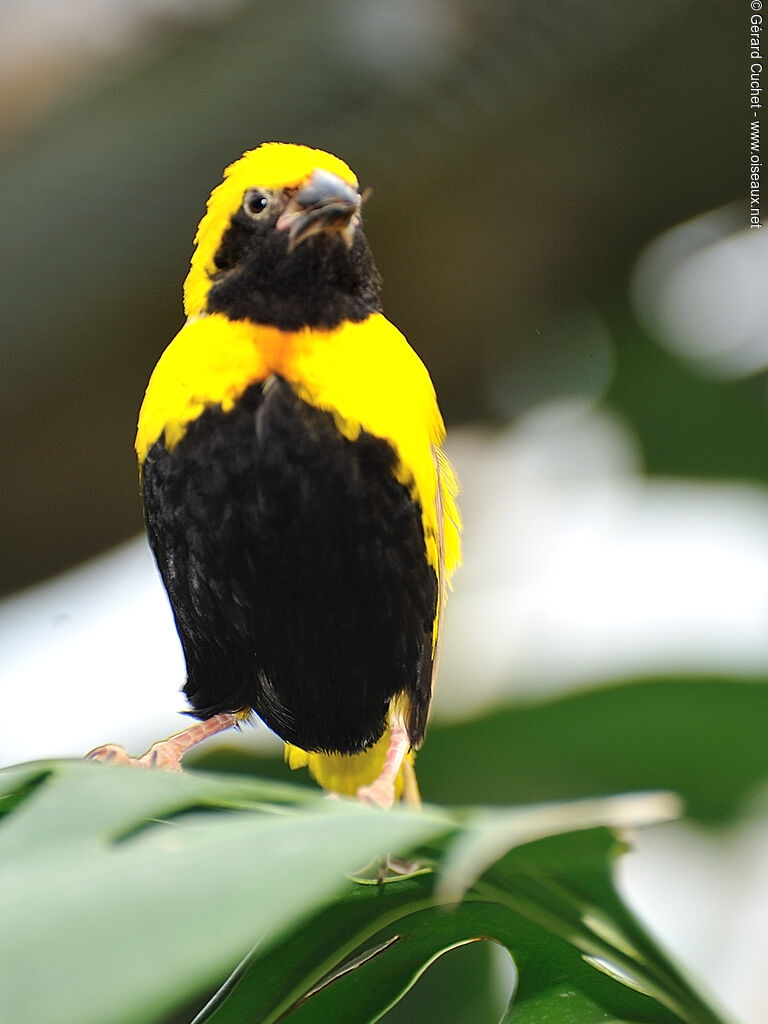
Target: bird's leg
381,792
411,794
167,754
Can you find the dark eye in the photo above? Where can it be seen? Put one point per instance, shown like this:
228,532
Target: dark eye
255,202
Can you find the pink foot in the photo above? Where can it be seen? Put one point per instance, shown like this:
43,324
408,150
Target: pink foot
381,792
160,755
166,754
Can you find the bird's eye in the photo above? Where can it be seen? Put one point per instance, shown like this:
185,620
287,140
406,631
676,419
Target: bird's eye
255,202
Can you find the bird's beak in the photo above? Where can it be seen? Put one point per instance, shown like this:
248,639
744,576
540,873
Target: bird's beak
324,204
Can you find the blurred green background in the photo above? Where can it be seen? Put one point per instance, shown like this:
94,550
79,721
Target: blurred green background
522,156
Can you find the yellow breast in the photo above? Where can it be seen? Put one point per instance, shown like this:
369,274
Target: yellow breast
365,374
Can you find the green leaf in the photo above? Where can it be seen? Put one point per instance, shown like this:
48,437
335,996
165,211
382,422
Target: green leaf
551,904
488,835
127,894
555,982
275,977
564,885
469,983
116,909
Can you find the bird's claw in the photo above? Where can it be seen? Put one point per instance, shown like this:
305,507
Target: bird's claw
380,793
160,755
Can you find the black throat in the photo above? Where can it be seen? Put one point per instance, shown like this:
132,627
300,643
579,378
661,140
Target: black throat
321,283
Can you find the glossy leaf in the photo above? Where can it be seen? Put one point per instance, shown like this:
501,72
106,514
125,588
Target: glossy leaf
127,894
118,903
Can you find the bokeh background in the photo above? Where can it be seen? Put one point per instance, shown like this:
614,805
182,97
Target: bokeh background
559,212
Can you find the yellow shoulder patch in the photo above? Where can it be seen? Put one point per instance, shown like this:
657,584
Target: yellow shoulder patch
210,362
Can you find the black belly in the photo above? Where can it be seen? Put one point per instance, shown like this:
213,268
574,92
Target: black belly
295,564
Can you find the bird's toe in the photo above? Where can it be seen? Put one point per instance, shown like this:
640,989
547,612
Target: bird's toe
111,753
380,793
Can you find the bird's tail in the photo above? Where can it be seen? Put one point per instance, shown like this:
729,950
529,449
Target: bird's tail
346,773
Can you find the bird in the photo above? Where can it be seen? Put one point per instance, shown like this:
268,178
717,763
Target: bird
297,499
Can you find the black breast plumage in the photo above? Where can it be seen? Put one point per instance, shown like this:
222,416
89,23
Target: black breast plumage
296,567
